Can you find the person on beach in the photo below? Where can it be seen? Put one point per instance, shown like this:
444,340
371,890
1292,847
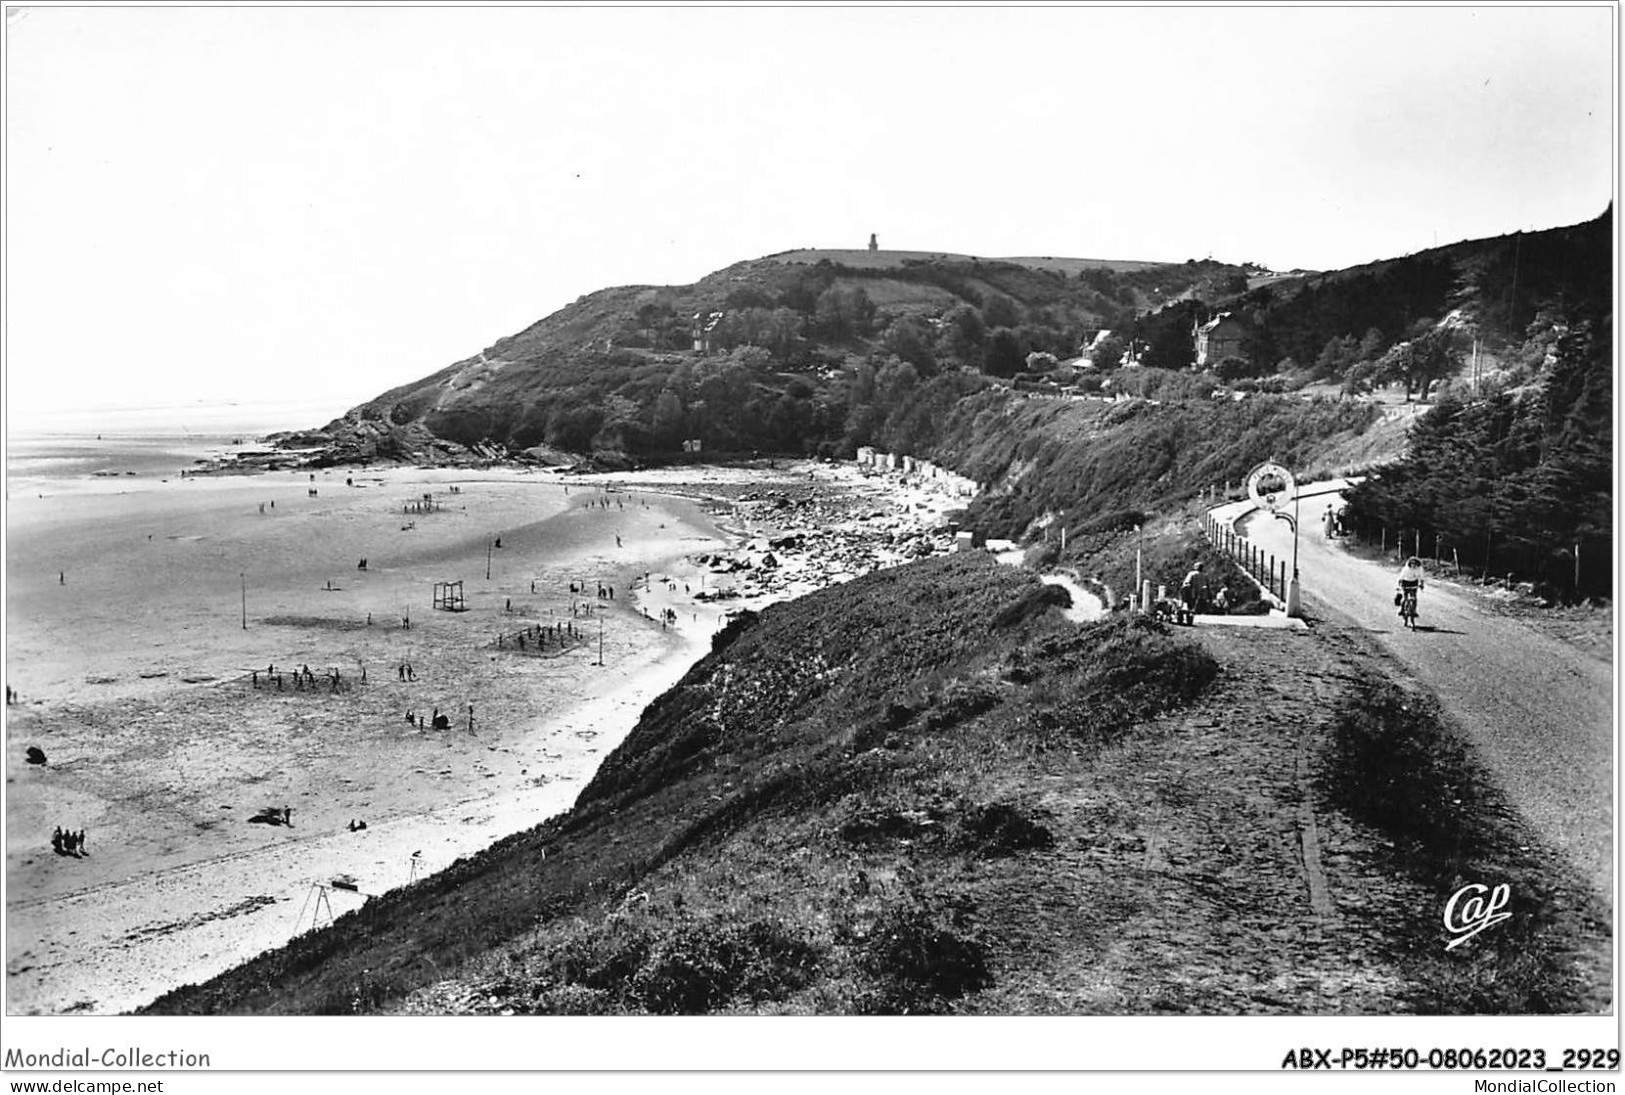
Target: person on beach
56,840
62,577
287,816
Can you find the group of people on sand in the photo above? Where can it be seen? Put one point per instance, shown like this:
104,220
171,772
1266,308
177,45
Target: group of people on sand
303,678
539,635
67,842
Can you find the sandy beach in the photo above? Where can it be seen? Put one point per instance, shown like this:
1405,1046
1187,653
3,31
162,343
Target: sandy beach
149,621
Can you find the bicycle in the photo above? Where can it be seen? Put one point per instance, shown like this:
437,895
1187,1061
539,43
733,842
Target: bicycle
1407,607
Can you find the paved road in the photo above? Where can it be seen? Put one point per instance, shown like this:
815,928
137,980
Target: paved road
1540,710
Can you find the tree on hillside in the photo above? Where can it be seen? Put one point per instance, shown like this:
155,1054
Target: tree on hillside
1360,378
1004,354
860,388
741,297
845,313
1232,369
572,426
666,421
1166,335
1372,344
962,336
1000,311
909,338
1420,362
1336,356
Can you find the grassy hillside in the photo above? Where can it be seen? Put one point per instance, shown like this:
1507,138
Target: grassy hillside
786,346
926,792
883,259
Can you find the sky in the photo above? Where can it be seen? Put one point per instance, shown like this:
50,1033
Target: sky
307,206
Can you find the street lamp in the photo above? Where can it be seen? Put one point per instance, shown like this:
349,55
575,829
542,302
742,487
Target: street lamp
1139,553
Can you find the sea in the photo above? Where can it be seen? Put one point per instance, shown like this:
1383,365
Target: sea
84,450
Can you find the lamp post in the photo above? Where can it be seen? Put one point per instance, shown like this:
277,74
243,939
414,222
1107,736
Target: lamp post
1139,552
1293,608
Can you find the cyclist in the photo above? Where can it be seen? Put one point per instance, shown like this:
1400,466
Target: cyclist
1410,580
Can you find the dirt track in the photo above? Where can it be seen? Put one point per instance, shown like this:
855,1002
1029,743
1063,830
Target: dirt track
1541,711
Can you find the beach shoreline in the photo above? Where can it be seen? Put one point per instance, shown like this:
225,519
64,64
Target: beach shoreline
163,738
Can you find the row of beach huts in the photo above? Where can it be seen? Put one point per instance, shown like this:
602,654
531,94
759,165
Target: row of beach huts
870,457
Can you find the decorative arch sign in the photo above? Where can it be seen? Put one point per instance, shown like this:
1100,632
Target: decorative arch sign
1270,485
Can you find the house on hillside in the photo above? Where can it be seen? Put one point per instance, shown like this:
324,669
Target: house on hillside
1219,338
703,327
